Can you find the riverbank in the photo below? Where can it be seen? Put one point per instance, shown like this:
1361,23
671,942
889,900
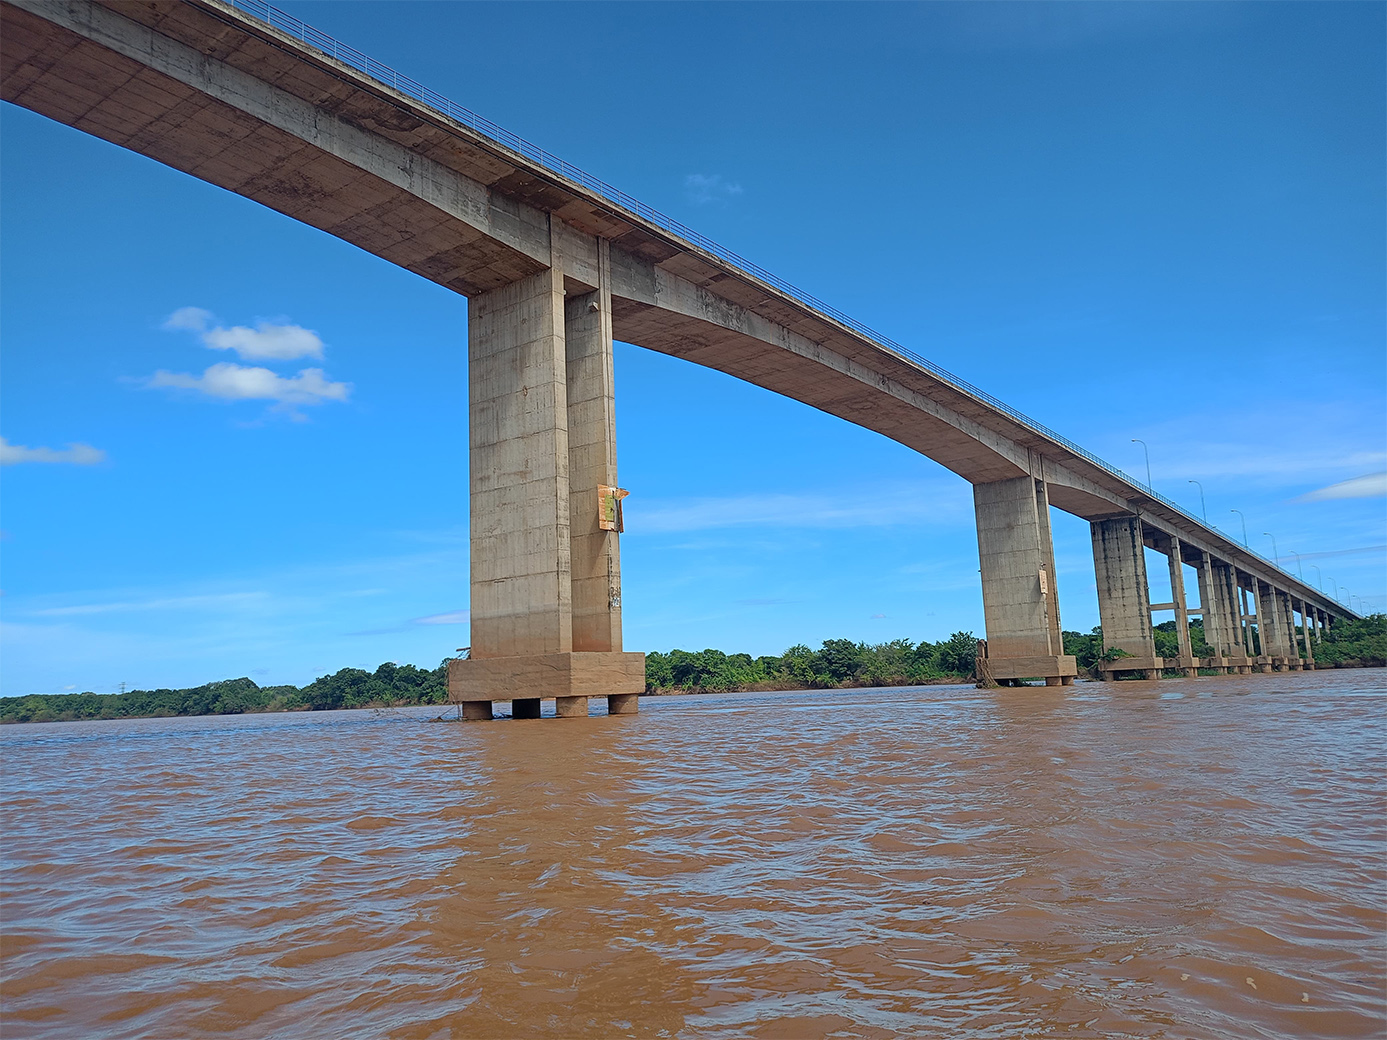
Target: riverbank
838,664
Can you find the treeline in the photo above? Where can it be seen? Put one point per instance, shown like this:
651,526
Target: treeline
389,685
1361,643
837,662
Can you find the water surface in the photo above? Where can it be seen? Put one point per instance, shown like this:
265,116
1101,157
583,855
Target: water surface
1190,858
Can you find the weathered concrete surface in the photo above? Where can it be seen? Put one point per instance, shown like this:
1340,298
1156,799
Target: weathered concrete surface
1175,558
596,557
1124,597
547,677
1020,599
518,399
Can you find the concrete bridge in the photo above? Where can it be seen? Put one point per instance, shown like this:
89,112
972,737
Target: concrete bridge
555,264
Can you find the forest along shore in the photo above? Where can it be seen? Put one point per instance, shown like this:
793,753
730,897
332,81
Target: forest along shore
837,664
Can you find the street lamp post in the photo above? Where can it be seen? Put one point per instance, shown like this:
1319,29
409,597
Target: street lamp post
1244,520
1275,552
1203,510
1147,452
1320,577
1298,571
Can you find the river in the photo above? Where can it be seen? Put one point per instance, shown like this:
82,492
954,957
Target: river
1189,858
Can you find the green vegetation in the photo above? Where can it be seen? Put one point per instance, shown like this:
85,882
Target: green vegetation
389,685
1355,643
837,662
1350,643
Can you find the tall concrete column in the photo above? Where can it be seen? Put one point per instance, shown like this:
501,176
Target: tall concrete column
1285,623
1217,595
531,485
1235,641
1020,600
1211,601
518,394
1293,660
1248,607
596,556
1124,597
1268,626
1307,628
1182,618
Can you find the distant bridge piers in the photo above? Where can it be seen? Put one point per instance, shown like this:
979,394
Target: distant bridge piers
1248,621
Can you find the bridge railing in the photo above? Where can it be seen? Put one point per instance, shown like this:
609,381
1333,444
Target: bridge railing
299,29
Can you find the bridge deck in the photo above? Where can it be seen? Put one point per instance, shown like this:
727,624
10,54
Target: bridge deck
381,162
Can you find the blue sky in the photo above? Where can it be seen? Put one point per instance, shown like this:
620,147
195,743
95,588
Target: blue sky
1128,220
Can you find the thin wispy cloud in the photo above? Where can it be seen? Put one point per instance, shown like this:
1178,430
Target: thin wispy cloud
703,188
268,341
452,617
852,507
73,455
1362,550
181,603
1370,485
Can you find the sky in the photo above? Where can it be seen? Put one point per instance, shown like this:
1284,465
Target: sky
235,445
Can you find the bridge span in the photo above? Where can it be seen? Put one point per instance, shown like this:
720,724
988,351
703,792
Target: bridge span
555,265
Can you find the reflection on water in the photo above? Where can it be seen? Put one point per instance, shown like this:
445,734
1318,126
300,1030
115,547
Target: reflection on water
1196,858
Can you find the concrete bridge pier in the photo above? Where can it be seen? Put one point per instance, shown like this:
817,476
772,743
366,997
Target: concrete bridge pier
1232,638
1217,618
1020,601
1124,597
546,576
1175,556
1263,598
1306,630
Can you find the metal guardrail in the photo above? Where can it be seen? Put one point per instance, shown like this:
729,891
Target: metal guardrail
300,30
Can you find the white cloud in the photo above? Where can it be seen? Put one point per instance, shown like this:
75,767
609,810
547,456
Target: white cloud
454,617
266,342
232,382
1371,485
702,187
73,454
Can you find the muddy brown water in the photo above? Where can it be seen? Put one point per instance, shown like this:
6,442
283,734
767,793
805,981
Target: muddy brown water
1190,858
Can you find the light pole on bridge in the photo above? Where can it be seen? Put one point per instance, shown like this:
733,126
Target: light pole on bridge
1319,576
1275,551
1203,509
1147,452
1244,520
1298,571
